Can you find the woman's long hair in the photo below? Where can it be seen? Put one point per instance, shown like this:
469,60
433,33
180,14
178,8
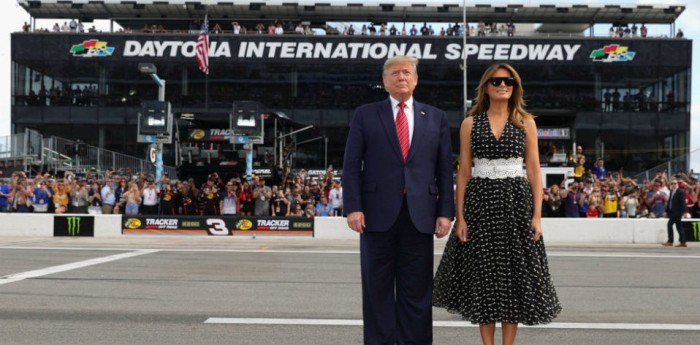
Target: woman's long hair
516,103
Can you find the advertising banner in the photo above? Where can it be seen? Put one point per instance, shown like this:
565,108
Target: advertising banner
73,226
217,225
692,229
290,49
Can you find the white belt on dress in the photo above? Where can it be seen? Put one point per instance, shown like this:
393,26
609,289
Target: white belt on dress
498,168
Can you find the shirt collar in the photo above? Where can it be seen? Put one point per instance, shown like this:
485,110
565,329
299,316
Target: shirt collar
395,103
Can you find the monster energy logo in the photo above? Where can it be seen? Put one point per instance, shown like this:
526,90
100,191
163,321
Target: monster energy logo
696,230
73,225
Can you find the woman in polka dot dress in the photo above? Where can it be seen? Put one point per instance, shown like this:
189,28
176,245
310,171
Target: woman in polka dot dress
494,267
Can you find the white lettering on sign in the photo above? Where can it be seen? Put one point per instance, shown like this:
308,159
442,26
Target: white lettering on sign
355,50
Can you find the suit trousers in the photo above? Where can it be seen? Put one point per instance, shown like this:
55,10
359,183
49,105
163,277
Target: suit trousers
679,227
397,284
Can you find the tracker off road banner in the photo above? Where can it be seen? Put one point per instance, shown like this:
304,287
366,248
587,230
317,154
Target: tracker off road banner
217,225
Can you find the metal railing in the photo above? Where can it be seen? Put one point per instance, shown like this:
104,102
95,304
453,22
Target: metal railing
59,154
83,157
678,164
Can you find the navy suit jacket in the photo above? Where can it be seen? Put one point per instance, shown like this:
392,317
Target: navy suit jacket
375,174
677,204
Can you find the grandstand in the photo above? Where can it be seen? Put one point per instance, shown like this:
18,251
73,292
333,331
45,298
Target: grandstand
626,98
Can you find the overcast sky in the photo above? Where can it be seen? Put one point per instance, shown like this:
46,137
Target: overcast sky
15,16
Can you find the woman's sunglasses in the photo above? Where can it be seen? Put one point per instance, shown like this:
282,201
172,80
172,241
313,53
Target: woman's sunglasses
496,81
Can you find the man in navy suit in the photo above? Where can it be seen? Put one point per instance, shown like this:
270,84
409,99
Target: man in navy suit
675,209
398,193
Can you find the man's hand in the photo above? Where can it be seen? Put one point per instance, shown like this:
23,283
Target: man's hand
442,226
356,221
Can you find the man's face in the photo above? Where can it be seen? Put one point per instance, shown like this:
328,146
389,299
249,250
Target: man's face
400,79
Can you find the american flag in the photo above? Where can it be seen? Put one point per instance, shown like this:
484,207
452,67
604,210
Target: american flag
203,47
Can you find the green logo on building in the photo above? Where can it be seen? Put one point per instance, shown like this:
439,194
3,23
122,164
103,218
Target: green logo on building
73,225
696,231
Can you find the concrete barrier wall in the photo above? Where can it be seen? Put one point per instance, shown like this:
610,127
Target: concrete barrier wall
556,230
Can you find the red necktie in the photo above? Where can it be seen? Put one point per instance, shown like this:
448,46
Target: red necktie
402,130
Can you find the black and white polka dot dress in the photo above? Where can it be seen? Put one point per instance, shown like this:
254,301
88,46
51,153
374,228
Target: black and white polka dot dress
500,274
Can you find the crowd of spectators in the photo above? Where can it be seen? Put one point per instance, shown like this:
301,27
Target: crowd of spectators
279,27
596,192
120,192
591,192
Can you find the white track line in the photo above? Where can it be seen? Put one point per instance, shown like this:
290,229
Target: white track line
12,278
264,250
459,324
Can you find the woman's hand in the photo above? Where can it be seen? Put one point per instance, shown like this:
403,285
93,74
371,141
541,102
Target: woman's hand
536,225
461,230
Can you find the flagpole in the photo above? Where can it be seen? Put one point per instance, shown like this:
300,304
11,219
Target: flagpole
206,75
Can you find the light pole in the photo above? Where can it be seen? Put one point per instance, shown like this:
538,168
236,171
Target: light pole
150,69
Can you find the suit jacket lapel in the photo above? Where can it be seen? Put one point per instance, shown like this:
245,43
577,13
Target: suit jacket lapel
386,117
420,122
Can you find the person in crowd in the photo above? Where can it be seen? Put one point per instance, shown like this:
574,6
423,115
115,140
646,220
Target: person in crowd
599,169
309,211
236,28
424,30
545,205
94,199
262,195
555,202
5,193
393,31
108,197
679,34
571,197
294,197
611,201
656,200
477,277
323,208
675,209
132,199
211,197
595,204
579,164
61,196
297,211
21,195
643,30
630,204
78,196
42,198
280,205
188,199
245,196
169,198
397,210
230,206
217,29
335,195
121,188
149,194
